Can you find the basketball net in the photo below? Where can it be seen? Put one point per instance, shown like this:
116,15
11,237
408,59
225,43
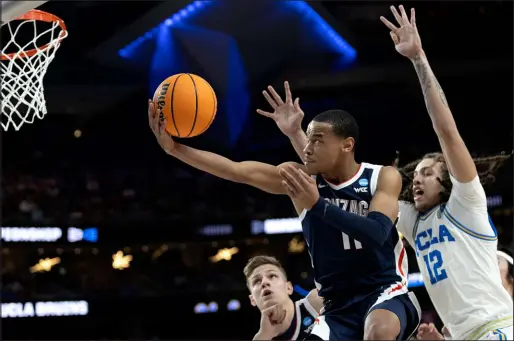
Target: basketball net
24,68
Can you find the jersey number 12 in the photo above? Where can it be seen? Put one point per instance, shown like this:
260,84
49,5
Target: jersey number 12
434,262
346,242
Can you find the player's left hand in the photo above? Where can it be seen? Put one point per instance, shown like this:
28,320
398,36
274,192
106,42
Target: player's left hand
287,115
299,186
406,38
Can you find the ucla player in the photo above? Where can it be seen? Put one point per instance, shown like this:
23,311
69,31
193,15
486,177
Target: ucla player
359,262
281,318
448,225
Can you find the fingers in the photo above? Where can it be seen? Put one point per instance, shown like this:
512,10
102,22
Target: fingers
305,176
405,18
290,190
270,100
155,120
162,128
397,16
265,113
291,179
275,314
289,96
276,97
413,17
297,104
151,113
422,327
389,24
394,37
270,310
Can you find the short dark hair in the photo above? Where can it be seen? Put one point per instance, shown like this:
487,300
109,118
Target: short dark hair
255,262
342,122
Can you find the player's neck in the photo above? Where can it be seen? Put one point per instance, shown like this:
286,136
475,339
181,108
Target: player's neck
344,171
290,308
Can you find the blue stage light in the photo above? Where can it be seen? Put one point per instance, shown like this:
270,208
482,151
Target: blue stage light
317,23
173,20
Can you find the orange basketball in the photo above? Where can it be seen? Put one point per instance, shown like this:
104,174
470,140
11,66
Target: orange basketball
187,102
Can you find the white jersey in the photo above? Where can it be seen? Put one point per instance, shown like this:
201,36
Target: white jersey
455,246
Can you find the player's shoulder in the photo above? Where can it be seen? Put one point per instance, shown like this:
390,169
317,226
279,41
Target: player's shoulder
387,176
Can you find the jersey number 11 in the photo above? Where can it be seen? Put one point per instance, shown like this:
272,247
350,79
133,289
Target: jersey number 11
347,245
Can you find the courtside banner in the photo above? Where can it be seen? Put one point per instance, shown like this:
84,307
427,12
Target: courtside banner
128,306
50,234
44,309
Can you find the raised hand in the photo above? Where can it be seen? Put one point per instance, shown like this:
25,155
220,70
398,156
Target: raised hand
157,124
406,38
287,115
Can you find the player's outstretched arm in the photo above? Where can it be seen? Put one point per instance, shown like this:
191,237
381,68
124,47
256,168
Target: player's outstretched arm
408,43
256,174
288,116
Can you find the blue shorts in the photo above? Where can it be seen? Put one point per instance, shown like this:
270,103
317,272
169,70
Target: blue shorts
345,320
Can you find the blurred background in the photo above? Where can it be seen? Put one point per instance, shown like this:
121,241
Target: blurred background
122,241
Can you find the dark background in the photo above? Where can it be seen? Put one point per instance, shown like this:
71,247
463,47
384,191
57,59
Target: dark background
116,178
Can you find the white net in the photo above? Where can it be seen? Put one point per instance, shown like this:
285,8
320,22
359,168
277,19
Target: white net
26,55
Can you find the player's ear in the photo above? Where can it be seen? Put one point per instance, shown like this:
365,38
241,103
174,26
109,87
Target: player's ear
289,288
252,300
348,144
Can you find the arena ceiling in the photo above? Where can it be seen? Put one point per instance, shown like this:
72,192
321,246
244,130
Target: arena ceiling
89,75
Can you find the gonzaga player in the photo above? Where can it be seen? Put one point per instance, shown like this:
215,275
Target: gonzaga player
448,225
359,261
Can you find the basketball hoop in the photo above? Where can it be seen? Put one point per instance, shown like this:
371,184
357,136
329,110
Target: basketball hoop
24,68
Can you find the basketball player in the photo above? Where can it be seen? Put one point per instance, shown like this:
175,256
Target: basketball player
453,236
281,318
429,331
348,216
449,219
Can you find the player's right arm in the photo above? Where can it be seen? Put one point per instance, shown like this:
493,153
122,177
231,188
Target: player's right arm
462,168
256,174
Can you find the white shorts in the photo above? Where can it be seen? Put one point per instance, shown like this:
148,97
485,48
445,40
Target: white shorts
499,334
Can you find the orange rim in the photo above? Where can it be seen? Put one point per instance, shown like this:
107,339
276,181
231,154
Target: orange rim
38,16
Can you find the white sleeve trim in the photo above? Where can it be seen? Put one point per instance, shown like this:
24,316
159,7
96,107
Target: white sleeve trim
309,307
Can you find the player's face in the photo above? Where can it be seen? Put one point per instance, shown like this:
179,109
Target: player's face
425,185
504,272
268,287
324,149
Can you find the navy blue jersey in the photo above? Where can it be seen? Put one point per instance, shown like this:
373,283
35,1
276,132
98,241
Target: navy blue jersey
302,323
343,267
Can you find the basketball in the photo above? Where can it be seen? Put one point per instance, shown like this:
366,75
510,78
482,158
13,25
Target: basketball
187,102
